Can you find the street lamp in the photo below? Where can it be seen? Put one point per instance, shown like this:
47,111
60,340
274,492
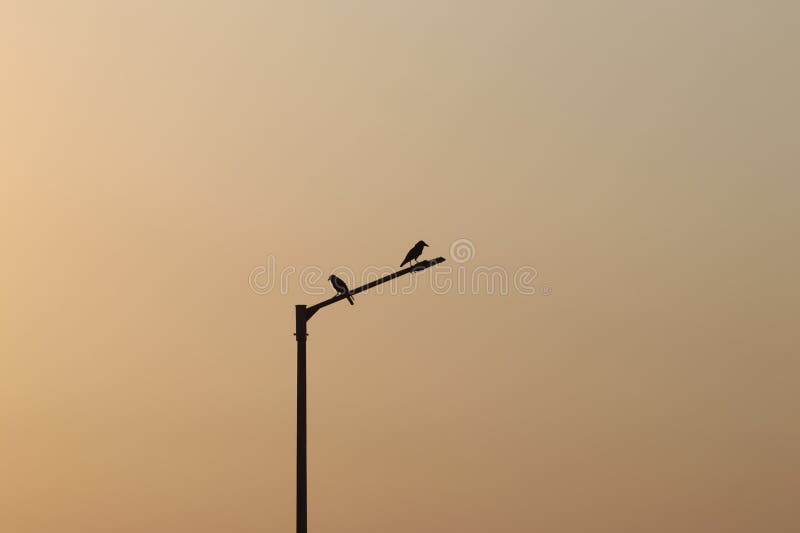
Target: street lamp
302,315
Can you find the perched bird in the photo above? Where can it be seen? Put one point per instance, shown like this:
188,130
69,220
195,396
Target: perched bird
340,287
414,253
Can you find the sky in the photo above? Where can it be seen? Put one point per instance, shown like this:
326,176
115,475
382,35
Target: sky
162,162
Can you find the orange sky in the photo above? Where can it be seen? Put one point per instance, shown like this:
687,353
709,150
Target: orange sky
642,156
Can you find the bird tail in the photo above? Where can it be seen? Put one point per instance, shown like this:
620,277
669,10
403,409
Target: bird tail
350,299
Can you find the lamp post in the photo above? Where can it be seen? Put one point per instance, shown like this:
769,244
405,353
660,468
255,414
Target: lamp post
302,315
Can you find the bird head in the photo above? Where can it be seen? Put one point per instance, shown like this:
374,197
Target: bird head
423,243
330,278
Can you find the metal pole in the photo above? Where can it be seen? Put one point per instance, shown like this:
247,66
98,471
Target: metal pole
302,315
302,472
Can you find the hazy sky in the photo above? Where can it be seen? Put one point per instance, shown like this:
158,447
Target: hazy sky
642,156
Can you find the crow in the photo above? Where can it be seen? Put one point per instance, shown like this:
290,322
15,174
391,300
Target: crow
340,287
414,253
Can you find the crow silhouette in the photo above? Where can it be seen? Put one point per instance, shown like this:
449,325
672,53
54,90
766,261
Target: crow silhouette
414,253
340,287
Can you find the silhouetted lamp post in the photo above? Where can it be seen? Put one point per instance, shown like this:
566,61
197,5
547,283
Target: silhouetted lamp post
302,315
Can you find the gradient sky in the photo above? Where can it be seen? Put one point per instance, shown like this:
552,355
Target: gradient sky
641,155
